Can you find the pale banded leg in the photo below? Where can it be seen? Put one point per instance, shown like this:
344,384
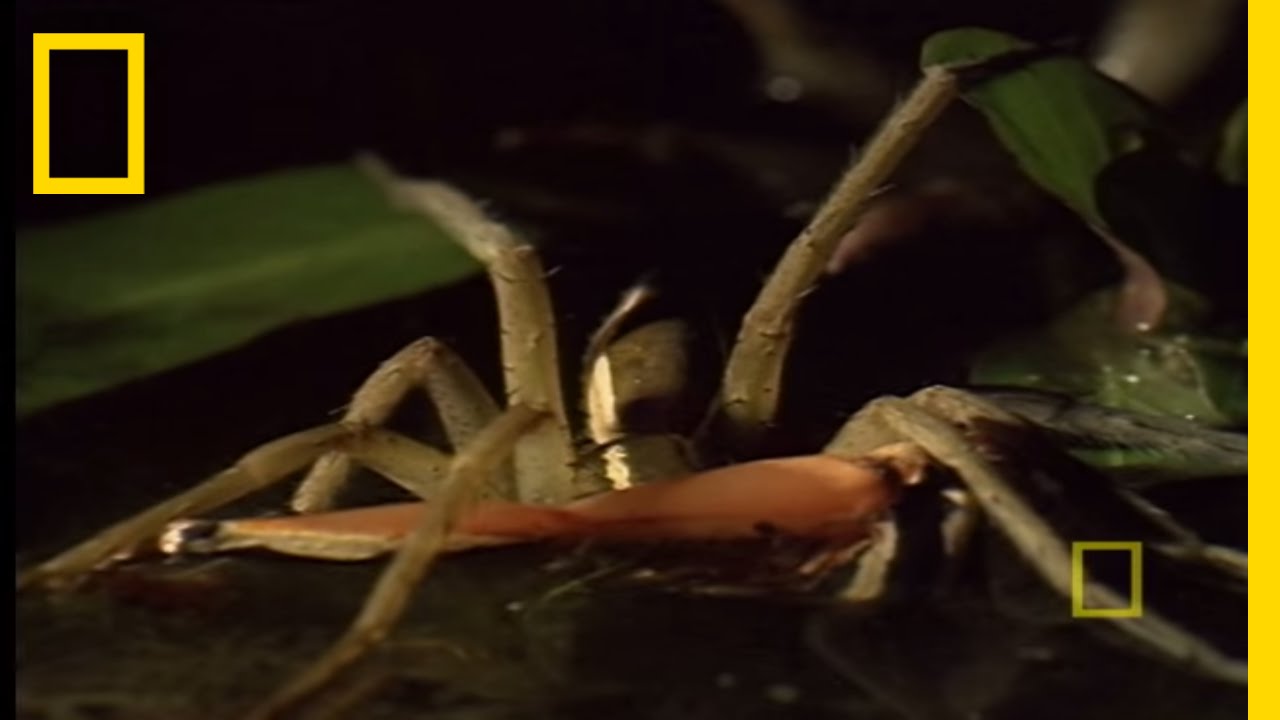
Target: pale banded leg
460,399
1185,544
258,469
752,383
399,458
386,603
531,368
932,419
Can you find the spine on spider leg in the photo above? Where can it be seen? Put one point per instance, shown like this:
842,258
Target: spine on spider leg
530,363
531,370
749,395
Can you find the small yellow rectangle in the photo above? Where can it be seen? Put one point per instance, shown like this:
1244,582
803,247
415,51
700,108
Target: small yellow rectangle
43,44
1078,609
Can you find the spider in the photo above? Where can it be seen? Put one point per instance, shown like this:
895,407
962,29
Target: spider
512,477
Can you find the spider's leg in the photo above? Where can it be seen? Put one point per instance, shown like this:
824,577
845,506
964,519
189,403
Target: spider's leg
354,534
751,388
470,468
460,399
964,409
932,419
1186,545
259,468
531,368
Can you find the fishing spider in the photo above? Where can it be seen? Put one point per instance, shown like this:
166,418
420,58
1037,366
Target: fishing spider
843,498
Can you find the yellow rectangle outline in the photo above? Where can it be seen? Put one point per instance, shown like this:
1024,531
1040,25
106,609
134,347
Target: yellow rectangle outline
1078,610
43,44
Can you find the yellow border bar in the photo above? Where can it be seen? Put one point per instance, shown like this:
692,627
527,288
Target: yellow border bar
1078,610
43,43
1264,339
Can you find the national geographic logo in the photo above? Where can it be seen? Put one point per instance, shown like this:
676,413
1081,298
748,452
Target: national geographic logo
63,161
1078,608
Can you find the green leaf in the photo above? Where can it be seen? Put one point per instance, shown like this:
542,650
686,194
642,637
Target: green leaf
1063,120
1099,148
1085,354
121,296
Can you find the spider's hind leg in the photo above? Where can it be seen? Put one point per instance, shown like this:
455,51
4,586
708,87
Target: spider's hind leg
936,420
258,469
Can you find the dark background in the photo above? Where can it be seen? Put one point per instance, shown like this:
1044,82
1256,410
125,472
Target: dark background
236,88
88,84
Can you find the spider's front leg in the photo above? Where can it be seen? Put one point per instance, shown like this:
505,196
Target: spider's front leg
530,360
460,399
395,456
752,385
941,421
468,472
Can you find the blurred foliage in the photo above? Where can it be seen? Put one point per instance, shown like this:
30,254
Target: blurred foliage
1098,148
1062,120
1093,143
110,299
1086,355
